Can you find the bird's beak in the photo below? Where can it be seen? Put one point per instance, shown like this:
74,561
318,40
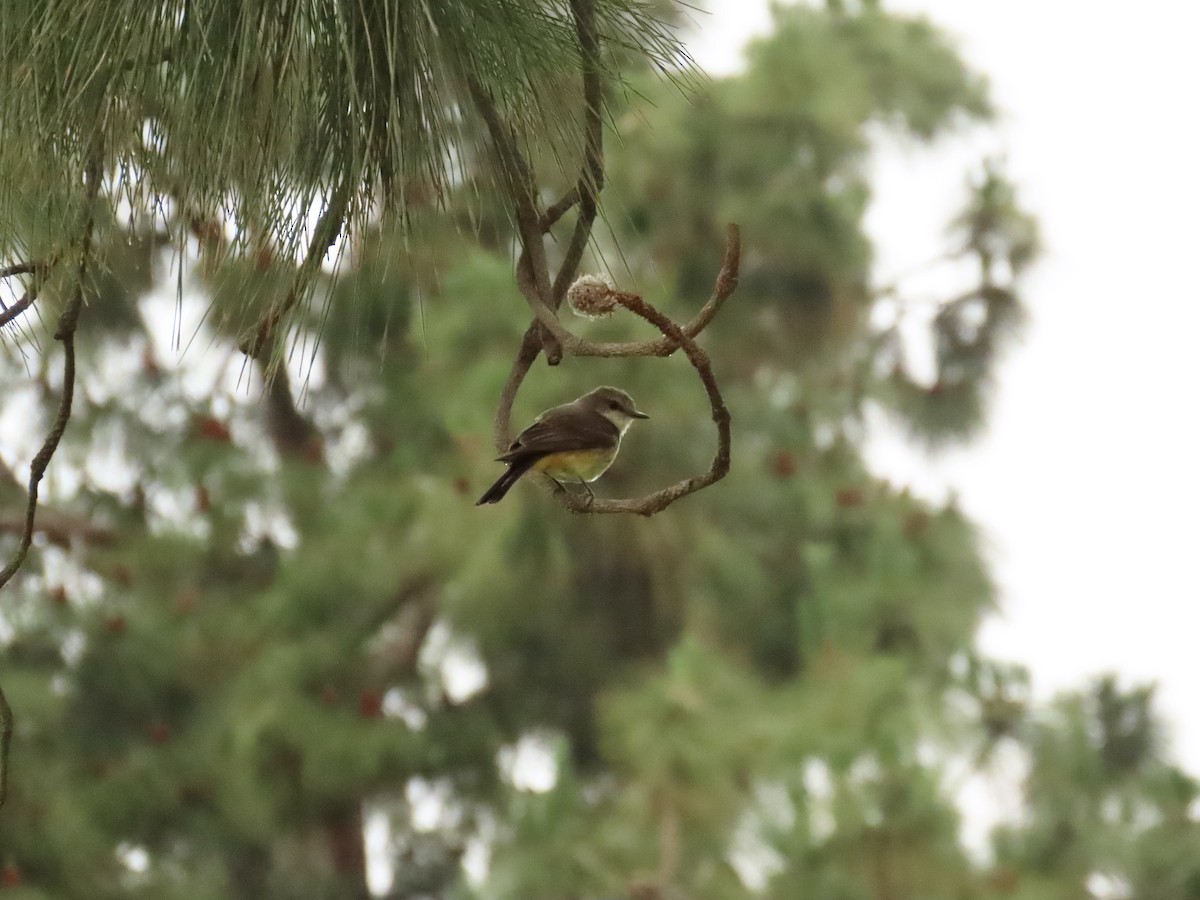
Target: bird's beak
639,415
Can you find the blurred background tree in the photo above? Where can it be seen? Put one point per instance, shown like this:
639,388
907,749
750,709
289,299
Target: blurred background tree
273,650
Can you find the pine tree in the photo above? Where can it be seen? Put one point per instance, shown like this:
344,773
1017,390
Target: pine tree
271,614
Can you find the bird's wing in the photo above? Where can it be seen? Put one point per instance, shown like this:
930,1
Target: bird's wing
563,428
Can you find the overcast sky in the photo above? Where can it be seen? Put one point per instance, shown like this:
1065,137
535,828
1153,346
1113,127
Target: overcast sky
1087,482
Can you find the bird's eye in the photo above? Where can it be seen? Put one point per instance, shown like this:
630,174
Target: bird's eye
613,404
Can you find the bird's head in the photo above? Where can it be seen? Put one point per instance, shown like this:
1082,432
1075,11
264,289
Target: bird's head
614,404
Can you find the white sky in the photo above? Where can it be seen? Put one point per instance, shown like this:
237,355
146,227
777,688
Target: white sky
1088,480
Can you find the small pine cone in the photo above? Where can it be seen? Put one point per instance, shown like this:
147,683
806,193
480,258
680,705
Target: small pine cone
592,296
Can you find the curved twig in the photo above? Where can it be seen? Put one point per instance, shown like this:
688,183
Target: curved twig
65,332
727,280
574,345
558,210
674,336
531,345
661,499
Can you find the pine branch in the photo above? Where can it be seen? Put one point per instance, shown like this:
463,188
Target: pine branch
329,225
292,91
533,270
532,267
591,179
65,332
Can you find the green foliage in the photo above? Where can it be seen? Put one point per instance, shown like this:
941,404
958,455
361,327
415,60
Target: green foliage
263,105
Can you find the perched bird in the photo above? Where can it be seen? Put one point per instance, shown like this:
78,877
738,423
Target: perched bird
577,441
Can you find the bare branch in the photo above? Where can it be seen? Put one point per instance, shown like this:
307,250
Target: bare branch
727,281
38,270
59,529
660,500
293,435
65,332
19,269
518,178
8,313
559,209
526,283
530,347
573,345
675,336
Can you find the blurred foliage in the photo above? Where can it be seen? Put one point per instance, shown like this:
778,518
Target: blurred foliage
300,624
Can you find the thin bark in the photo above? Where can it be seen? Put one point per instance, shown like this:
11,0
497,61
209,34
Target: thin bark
39,270
11,312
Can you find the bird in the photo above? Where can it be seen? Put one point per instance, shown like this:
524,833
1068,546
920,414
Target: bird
577,441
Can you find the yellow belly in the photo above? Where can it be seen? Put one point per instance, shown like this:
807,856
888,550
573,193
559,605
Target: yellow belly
576,465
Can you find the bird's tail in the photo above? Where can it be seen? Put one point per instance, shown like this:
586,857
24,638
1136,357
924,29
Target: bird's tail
496,492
